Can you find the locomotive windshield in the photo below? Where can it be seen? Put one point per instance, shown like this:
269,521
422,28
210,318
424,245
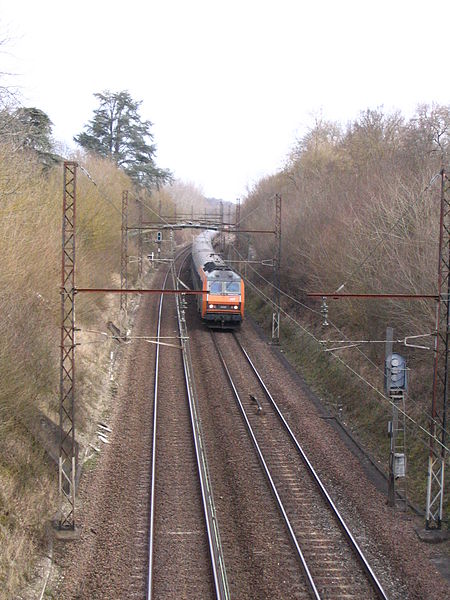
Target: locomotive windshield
225,287
215,287
232,287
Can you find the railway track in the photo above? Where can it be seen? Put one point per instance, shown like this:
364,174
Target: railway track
331,561
112,559
185,555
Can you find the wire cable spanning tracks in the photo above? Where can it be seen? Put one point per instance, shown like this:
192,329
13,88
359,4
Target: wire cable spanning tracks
215,549
318,532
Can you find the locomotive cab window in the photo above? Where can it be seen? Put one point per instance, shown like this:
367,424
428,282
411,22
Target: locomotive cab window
232,287
215,287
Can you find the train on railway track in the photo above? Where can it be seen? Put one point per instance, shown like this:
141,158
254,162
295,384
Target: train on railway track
222,304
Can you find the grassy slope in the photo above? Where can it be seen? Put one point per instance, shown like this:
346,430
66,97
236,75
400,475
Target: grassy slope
358,208
30,247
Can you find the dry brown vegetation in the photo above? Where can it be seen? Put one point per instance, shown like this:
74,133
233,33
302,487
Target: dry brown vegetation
30,250
358,208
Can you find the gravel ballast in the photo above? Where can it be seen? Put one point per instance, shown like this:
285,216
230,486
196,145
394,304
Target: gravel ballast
107,561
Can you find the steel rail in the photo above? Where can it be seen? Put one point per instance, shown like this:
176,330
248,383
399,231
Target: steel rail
212,526
358,552
153,471
305,568
155,416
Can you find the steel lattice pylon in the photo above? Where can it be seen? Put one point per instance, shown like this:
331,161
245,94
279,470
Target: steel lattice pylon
237,227
124,252
222,234
276,272
436,463
67,453
140,240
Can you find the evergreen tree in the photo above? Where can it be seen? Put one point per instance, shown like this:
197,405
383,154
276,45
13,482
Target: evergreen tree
116,131
29,128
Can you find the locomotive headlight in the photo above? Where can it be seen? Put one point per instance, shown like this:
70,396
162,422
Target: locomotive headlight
211,306
235,307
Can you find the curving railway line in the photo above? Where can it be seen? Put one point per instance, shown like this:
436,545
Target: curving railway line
331,561
185,554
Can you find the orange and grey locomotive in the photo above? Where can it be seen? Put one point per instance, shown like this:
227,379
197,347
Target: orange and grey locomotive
222,304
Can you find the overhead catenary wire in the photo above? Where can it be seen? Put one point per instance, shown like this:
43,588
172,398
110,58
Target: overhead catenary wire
295,300
330,322
111,203
128,339
381,371
354,343
305,330
108,200
316,312
257,207
382,240
359,266
347,366
134,337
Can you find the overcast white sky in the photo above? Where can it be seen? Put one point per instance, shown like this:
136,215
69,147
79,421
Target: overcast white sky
228,84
